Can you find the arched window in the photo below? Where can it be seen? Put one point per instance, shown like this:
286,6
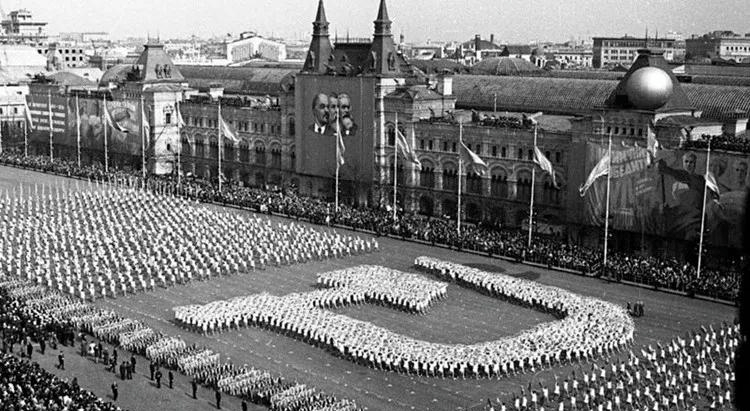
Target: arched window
276,156
499,185
260,154
473,183
450,179
293,156
523,186
200,147
229,152
244,154
185,149
427,176
390,133
449,208
213,149
291,126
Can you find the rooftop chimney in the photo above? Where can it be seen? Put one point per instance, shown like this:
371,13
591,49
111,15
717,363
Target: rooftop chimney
492,38
477,39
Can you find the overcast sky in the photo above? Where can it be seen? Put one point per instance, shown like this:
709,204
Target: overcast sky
418,20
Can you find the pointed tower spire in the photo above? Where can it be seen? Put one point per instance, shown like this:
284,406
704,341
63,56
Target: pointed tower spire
383,57
383,12
320,16
320,47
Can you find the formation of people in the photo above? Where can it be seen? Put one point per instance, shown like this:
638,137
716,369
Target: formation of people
695,372
587,327
113,241
32,310
718,281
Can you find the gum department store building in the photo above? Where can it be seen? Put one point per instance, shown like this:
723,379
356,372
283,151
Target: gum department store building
265,108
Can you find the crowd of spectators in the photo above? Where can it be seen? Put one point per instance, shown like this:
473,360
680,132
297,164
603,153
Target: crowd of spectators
721,282
24,385
723,142
33,310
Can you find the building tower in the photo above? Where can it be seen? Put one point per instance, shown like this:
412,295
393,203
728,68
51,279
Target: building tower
383,57
321,51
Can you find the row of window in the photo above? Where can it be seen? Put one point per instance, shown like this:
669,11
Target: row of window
498,185
625,131
427,145
244,126
229,153
5,110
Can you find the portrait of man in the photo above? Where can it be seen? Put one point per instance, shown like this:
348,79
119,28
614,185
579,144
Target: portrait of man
333,113
348,126
320,114
684,215
740,175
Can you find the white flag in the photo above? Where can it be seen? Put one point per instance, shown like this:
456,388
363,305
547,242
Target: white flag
475,162
341,148
226,131
545,164
711,183
601,169
27,111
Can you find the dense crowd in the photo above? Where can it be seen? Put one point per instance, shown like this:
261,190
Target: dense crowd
723,142
35,309
587,328
692,373
90,243
717,280
24,385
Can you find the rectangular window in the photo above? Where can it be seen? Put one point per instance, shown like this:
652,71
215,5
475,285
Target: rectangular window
454,147
429,145
479,149
494,151
557,156
168,118
421,144
445,146
520,154
531,154
502,152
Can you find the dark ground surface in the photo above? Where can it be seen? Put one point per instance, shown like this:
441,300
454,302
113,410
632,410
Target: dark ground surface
462,317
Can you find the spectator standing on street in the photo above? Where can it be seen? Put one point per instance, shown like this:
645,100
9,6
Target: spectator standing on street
114,391
61,361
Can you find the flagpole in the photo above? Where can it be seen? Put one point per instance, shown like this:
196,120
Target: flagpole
49,107
78,132
460,147
143,140
219,151
106,154
606,213
703,210
26,139
179,137
533,181
395,167
338,163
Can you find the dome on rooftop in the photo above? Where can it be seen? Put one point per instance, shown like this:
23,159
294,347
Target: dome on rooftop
649,88
504,66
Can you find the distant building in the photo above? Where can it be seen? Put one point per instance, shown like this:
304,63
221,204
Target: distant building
725,45
19,27
573,58
85,37
63,56
474,51
612,51
250,46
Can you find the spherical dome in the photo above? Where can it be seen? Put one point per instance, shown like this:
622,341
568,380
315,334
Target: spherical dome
649,88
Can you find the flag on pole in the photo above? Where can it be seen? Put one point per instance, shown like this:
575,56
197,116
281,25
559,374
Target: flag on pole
341,148
406,150
27,111
180,122
111,122
226,130
477,165
146,127
601,169
545,164
711,183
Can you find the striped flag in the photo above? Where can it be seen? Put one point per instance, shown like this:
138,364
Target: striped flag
601,169
146,127
340,147
406,150
475,162
227,131
545,164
